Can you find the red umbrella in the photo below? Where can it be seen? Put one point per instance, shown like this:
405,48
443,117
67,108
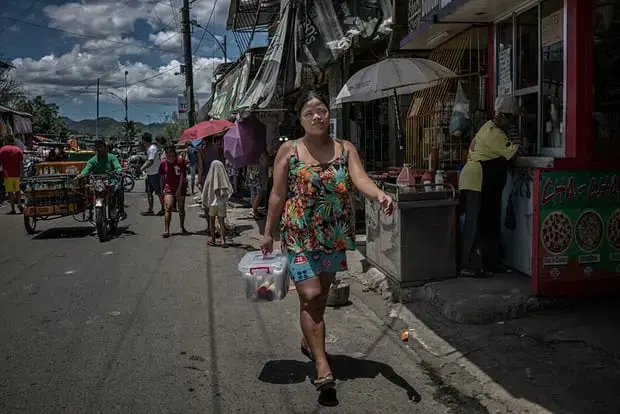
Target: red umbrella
205,128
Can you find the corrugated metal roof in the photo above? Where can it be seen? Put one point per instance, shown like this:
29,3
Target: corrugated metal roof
13,111
242,14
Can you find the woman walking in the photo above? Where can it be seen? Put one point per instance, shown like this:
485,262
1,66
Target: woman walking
311,197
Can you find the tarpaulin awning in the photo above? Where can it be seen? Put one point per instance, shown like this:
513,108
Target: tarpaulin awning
229,89
203,112
272,79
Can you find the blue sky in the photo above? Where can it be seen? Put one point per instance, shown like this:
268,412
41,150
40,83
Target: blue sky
60,48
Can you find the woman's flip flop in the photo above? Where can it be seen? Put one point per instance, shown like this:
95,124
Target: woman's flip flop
324,383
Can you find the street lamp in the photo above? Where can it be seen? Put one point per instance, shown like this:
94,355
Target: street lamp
125,104
222,46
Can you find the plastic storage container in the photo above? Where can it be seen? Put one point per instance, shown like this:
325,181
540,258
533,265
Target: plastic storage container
266,277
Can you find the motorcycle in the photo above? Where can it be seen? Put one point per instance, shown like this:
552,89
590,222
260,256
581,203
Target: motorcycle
105,205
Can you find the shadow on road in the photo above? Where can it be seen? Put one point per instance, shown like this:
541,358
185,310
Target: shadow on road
65,233
80,232
345,368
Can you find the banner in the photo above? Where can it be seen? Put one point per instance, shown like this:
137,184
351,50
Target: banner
228,90
270,83
327,29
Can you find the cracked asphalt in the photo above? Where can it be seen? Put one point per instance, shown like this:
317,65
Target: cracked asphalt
142,324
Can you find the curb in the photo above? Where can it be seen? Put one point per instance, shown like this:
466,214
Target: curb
450,364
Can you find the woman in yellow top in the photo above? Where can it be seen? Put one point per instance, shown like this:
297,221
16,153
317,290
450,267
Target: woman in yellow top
481,183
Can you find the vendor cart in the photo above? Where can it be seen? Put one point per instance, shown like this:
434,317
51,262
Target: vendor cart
53,192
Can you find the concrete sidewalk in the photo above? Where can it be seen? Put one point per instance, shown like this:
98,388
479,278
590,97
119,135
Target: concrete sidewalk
457,365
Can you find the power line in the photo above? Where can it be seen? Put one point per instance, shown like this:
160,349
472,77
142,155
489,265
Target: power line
22,14
206,27
174,14
137,45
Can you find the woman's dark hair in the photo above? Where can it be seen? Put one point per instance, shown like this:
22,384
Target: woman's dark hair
308,96
171,148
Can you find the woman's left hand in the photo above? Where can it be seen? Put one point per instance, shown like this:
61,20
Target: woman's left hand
386,203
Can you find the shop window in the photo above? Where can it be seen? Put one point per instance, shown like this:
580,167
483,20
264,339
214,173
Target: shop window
552,42
606,116
530,66
527,49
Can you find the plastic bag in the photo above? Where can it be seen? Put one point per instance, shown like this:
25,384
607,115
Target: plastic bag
460,121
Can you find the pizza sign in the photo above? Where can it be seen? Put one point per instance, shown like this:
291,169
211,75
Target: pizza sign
578,187
579,228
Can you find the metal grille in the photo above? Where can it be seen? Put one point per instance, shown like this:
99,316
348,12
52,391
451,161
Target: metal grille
428,118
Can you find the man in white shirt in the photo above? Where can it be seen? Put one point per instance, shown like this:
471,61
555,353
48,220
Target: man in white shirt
153,181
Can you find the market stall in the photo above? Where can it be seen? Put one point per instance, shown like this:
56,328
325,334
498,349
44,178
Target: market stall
561,221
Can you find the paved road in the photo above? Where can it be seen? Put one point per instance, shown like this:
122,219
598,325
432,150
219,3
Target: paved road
143,324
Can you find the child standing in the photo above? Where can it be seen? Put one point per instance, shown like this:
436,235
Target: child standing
173,173
215,196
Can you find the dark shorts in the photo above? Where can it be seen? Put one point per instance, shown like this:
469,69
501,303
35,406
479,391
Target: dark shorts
153,184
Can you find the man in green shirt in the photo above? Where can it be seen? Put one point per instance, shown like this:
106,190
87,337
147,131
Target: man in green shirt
105,163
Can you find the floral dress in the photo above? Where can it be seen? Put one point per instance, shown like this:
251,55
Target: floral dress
317,220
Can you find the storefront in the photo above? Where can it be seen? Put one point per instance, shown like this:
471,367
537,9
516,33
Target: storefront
561,220
562,203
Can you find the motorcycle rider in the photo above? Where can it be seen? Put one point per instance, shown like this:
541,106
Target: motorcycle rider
103,164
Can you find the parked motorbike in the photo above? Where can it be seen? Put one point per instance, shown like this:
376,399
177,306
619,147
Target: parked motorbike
106,206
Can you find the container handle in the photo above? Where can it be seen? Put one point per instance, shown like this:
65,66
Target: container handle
265,268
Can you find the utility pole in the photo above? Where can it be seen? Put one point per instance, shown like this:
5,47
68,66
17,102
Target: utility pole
189,70
97,122
126,110
126,101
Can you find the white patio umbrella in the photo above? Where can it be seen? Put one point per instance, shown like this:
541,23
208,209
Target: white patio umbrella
395,76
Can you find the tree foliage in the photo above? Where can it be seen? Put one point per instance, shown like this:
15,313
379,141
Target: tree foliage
45,116
173,131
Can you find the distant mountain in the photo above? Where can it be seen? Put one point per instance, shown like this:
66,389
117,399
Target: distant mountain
109,127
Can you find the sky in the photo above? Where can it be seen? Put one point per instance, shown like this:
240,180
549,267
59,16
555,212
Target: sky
59,48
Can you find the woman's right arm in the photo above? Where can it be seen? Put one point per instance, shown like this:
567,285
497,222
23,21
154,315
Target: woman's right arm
279,190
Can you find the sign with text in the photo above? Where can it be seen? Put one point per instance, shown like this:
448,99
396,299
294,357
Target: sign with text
552,28
504,72
579,228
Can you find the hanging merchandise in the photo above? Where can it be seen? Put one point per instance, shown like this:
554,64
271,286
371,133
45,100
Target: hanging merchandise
460,122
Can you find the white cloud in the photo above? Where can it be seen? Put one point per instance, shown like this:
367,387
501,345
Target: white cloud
74,74
71,77
161,12
168,41
98,18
